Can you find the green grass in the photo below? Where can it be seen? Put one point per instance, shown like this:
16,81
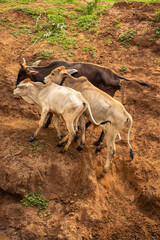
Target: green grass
55,22
15,2
87,21
61,1
4,21
91,50
16,33
157,17
157,60
145,1
31,12
157,31
36,146
45,53
127,36
108,42
123,70
36,199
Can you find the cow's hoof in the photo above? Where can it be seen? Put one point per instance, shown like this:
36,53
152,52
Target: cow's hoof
45,125
101,175
96,143
61,137
76,138
98,149
31,139
59,145
62,151
80,148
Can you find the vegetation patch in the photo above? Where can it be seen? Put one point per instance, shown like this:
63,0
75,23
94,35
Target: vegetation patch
36,146
87,21
91,50
31,12
157,17
61,1
108,42
36,199
123,70
45,53
157,31
17,1
127,36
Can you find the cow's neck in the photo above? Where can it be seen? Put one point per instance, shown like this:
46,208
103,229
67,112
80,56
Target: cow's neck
62,81
33,93
70,82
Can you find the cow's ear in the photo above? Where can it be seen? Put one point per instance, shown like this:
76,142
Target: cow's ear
65,74
35,64
31,72
72,71
62,68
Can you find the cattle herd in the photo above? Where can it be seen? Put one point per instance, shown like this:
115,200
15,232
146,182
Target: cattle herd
76,92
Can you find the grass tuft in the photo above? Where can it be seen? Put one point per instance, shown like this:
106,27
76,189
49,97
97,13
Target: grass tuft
36,199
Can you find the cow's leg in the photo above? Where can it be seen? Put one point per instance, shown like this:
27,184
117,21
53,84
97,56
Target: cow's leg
70,136
76,124
99,148
76,127
56,125
74,117
63,140
110,142
82,126
48,120
97,143
88,124
41,122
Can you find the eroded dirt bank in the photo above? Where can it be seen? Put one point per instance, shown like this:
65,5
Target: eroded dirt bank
123,205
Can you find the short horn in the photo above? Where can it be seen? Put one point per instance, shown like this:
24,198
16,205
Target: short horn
22,67
24,62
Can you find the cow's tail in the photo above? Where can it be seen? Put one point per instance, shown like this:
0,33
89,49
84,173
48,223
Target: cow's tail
129,119
139,82
93,120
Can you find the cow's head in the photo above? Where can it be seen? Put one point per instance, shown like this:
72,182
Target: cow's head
58,74
23,90
26,71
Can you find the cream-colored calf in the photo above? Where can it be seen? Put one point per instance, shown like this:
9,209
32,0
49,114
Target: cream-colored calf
103,107
62,101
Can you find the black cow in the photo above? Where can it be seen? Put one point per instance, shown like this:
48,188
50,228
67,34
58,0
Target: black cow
101,77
